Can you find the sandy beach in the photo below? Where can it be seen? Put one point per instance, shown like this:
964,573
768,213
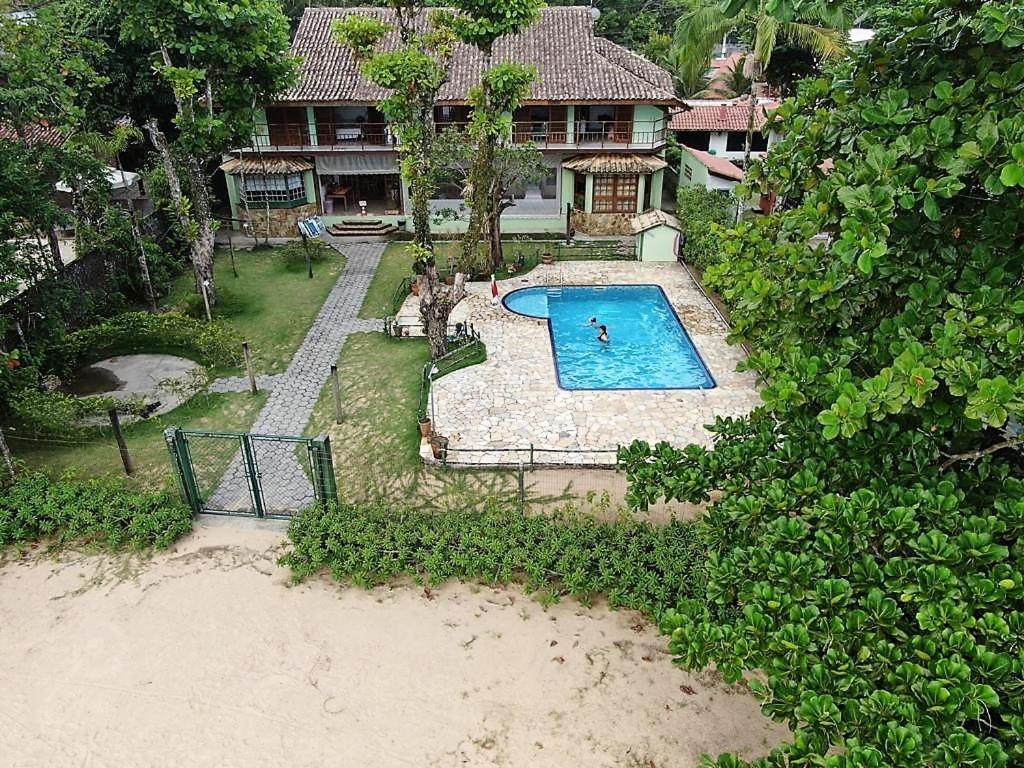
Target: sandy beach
206,655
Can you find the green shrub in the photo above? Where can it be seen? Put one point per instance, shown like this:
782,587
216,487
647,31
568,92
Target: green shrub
45,411
636,565
102,511
701,210
211,344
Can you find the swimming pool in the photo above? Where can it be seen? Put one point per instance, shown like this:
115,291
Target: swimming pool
648,348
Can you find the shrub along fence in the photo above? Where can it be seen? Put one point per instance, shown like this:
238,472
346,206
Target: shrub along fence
211,344
106,512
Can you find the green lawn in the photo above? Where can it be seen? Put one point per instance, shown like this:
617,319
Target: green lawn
376,447
271,303
396,265
91,453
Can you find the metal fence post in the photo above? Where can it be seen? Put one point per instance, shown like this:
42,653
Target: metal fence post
252,475
323,468
522,490
181,466
531,455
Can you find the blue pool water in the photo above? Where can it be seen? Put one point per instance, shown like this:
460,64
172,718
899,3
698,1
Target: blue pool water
648,348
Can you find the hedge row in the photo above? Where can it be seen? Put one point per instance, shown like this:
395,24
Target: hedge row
636,565
211,344
100,511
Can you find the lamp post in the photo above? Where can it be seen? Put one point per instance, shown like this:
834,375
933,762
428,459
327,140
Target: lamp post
433,413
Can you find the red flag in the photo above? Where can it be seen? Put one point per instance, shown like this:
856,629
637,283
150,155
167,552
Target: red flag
494,288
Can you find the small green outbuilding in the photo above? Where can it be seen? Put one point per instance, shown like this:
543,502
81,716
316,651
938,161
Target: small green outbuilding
658,236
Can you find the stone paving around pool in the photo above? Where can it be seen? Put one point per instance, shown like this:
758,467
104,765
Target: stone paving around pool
513,400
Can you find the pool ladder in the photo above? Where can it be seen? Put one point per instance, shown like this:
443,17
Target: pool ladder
554,290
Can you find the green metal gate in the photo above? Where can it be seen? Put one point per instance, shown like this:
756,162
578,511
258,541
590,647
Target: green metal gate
238,473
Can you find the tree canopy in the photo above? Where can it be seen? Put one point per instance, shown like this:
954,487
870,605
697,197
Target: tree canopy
867,525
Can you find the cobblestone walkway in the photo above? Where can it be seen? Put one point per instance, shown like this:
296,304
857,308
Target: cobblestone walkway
294,393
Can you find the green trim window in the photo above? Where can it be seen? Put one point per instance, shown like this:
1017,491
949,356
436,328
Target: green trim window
274,188
615,194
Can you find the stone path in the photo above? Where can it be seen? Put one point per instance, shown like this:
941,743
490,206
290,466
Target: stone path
294,393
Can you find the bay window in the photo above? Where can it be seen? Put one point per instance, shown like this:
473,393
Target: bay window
285,188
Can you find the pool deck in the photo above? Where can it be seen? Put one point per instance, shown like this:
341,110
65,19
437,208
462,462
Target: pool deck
513,399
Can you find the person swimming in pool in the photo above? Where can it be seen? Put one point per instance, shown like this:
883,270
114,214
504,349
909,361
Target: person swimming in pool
603,335
592,322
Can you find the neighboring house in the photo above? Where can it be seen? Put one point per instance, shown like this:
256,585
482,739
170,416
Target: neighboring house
719,127
712,172
598,111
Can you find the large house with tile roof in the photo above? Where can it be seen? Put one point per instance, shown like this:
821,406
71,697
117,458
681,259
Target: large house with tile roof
598,112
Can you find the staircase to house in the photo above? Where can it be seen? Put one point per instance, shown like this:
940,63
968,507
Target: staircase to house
362,227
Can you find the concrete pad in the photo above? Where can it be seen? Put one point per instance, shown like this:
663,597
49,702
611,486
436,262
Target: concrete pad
166,379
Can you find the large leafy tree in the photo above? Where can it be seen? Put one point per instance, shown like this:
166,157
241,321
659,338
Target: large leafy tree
817,25
219,61
42,71
502,88
866,534
413,72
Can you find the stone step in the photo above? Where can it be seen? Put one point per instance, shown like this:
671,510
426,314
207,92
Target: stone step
361,222
347,230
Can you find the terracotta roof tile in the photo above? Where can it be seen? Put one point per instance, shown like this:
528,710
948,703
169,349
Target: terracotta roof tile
573,65
39,133
615,164
727,116
719,166
654,218
255,165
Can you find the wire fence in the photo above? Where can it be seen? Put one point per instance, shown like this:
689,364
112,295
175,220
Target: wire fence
468,349
591,484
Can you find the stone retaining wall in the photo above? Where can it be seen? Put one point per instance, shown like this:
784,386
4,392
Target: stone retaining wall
283,221
602,223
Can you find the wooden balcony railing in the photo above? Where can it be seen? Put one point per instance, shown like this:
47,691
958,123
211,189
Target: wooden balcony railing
363,135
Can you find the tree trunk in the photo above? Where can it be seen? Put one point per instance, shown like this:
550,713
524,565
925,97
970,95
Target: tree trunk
54,244
750,116
197,226
203,245
436,303
147,283
8,461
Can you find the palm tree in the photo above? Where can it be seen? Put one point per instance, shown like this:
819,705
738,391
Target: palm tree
689,76
735,81
821,29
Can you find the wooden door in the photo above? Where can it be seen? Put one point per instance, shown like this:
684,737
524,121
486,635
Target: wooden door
288,126
557,125
622,132
325,134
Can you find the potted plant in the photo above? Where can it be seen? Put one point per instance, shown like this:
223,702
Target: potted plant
547,257
438,446
425,426
414,288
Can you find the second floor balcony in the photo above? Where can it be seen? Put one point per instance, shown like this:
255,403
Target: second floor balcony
548,128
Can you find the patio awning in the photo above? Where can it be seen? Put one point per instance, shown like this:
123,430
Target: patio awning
255,165
615,164
357,163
